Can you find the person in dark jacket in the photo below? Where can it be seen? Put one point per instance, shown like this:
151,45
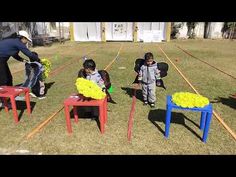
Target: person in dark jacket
11,47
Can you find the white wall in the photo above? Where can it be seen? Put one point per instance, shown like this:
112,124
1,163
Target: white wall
183,31
151,26
199,30
87,31
119,31
215,30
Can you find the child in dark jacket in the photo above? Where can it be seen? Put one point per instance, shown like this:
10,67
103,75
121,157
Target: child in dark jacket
147,77
34,80
90,72
95,75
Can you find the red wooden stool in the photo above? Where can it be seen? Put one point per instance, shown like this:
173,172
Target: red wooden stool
12,92
76,100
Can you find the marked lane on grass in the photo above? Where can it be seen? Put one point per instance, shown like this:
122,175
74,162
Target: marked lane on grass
131,115
41,125
133,104
45,122
60,68
109,65
232,133
188,53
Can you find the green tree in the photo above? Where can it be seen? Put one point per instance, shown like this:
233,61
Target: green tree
191,29
175,26
228,30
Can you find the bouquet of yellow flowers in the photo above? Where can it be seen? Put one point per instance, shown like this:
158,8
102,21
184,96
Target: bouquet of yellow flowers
47,67
89,89
189,100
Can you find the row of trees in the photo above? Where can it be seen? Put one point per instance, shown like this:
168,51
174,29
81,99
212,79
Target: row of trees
11,27
228,29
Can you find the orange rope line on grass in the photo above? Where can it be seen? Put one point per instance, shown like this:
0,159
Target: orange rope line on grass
41,125
214,113
60,68
185,51
109,65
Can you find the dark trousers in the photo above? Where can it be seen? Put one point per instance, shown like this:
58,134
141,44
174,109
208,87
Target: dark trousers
5,74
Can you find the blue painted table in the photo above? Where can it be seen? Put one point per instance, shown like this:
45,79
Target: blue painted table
206,115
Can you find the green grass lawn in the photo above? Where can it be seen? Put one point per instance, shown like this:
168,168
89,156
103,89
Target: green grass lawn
149,126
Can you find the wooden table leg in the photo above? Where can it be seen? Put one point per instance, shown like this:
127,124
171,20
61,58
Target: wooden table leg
5,104
27,99
75,113
14,109
101,118
68,123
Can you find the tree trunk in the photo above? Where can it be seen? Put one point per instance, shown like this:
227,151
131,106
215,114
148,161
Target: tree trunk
206,30
233,30
59,32
230,34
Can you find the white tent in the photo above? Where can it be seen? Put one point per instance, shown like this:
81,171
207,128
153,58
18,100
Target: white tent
119,31
151,31
215,30
87,31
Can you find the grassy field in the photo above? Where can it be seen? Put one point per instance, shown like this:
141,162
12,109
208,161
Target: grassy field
148,127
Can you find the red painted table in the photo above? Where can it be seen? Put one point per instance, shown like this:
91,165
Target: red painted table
12,92
76,100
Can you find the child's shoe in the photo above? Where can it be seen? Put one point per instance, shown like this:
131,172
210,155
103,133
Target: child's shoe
41,97
152,105
32,95
145,102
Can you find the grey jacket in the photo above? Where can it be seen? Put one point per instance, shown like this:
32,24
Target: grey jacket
96,77
149,74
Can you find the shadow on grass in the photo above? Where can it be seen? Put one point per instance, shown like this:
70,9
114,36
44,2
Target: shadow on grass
231,101
48,86
130,92
21,105
87,113
159,115
18,85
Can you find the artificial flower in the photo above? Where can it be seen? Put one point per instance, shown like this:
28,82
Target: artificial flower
189,100
89,89
47,67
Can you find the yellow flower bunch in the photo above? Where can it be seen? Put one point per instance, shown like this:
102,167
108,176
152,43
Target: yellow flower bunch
189,100
89,89
47,67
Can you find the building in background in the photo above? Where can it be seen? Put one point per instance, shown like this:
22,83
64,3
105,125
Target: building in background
120,31
44,33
